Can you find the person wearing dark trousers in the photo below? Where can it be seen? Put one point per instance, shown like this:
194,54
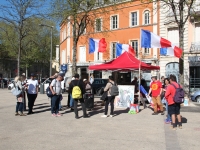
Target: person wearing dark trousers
110,98
80,84
32,91
56,90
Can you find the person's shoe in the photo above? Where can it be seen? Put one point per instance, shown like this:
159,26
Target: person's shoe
53,115
72,109
174,128
76,117
104,116
162,113
155,113
180,127
22,114
111,116
167,121
58,114
85,116
29,113
16,114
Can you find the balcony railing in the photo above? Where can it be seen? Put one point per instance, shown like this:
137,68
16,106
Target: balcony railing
195,47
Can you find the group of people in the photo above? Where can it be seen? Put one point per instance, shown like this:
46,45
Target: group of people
166,92
161,92
31,88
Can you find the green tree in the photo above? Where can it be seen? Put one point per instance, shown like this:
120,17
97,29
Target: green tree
17,13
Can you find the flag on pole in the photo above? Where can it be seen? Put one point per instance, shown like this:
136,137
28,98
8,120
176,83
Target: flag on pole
171,51
151,40
97,45
121,48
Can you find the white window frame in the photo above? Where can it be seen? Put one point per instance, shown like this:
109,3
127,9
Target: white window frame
96,55
85,59
147,51
144,17
111,22
136,51
111,49
101,21
130,18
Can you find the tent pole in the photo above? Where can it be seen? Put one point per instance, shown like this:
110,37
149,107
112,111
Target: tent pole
139,77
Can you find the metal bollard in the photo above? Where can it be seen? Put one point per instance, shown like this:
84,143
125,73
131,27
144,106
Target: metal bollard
41,88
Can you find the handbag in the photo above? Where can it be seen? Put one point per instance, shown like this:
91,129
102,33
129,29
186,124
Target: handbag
104,96
16,91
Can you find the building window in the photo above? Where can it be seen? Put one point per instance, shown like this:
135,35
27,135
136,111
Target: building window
134,44
134,19
113,50
98,56
114,22
146,17
146,51
98,25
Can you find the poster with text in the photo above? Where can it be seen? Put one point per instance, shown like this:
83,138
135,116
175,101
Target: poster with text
125,97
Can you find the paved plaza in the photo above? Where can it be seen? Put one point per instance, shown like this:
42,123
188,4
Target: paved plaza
142,131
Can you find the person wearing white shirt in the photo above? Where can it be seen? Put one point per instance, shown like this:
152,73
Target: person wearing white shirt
32,91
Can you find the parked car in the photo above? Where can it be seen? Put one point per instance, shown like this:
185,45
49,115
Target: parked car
195,96
98,84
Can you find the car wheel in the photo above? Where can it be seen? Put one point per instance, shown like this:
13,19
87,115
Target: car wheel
198,99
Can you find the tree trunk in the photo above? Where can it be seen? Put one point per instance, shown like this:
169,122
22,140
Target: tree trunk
181,63
18,59
74,68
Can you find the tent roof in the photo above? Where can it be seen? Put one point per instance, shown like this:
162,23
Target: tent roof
124,62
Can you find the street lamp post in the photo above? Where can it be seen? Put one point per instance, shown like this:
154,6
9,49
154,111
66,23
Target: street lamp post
50,67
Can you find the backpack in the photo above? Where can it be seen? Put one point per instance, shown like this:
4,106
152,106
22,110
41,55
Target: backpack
48,91
179,94
76,91
114,90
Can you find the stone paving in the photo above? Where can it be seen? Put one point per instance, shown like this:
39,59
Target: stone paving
141,131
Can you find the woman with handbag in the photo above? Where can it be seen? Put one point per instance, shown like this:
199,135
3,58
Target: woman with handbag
20,97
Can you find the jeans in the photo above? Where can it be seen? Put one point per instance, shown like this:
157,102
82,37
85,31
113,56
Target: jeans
19,107
71,101
31,101
111,101
168,115
60,106
55,100
76,109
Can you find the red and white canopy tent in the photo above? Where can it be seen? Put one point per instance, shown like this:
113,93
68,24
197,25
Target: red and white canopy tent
125,62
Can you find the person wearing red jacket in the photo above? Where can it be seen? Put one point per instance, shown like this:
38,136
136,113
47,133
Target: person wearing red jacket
173,108
156,90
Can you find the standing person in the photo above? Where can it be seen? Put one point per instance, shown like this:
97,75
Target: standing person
167,83
173,108
24,80
32,91
20,98
163,81
80,84
156,90
91,78
88,87
110,98
55,88
135,83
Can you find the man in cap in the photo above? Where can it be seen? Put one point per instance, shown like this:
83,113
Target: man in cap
156,90
32,91
56,90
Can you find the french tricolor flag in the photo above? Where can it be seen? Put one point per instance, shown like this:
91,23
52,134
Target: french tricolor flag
151,40
121,48
97,45
171,51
